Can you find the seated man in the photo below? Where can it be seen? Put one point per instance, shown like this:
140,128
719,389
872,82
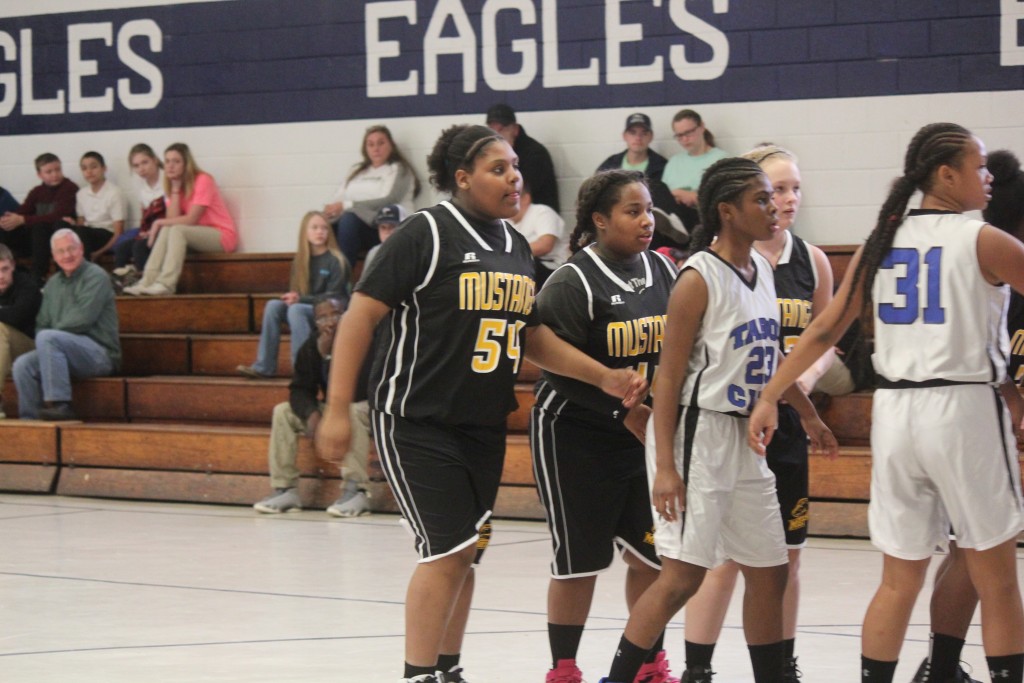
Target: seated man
19,305
76,333
301,414
638,155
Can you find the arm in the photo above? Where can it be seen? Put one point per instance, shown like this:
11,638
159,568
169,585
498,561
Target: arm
543,245
351,346
686,307
820,299
304,389
820,336
687,197
400,187
117,228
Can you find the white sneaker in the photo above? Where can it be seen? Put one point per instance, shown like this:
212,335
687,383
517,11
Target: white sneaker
281,500
157,289
134,290
351,505
123,270
425,678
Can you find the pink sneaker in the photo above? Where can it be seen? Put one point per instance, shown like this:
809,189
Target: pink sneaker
656,671
565,672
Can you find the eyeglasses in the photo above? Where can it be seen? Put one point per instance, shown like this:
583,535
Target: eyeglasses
687,133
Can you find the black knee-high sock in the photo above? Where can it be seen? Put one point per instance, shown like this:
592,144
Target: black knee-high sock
1007,668
699,654
874,671
790,646
564,640
944,655
658,646
627,662
412,671
767,661
448,662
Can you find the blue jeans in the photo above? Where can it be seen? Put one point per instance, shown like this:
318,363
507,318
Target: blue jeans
354,236
299,318
46,373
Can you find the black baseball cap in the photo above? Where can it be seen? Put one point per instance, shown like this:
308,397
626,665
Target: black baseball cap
390,213
638,119
501,113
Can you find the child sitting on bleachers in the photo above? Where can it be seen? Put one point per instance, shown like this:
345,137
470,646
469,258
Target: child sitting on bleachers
132,249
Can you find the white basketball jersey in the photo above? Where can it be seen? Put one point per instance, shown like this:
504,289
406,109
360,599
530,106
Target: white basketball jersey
737,346
936,317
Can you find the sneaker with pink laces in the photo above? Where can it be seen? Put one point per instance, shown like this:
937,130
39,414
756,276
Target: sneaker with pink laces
656,671
565,672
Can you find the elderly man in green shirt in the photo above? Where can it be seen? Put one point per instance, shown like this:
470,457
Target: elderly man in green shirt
76,334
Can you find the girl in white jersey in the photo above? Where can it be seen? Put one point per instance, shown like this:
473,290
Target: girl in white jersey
715,497
943,453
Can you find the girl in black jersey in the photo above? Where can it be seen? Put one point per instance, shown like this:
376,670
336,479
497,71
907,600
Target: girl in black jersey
803,286
454,293
609,301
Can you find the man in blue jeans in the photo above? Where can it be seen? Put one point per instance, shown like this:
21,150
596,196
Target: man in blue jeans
76,334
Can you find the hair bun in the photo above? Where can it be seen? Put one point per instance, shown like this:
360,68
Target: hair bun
1004,166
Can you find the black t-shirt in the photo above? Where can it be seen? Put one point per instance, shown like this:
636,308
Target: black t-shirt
462,293
615,313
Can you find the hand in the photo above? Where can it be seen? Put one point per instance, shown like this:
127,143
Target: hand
626,384
687,197
333,435
312,422
153,230
333,210
290,298
10,221
668,495
823,442
764,420
636,421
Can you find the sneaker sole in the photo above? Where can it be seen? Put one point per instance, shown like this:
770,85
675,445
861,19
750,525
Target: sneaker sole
343,515
273,511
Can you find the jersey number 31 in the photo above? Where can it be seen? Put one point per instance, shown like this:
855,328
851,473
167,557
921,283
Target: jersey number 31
908,286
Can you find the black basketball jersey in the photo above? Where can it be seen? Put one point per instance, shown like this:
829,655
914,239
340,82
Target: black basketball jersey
615,313
1015,328
461,293
795,281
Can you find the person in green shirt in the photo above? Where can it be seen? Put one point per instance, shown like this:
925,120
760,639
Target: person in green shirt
76,334
683,172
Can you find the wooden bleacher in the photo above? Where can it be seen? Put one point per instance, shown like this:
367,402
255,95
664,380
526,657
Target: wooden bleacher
179,425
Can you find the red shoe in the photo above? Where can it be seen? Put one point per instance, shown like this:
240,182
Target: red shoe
656,671
565,672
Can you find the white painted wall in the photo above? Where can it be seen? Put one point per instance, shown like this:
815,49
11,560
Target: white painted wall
850,149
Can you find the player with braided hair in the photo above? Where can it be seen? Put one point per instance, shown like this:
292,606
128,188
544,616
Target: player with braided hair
943,449
720,348
609,301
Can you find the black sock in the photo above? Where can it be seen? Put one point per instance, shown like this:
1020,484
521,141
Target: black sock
658,646
767,660
414,671
944,655
447,662
564,640
874,671
627,662
1007,668
790,645
699,654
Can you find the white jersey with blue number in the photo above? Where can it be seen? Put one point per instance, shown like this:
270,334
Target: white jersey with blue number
936,317
737,346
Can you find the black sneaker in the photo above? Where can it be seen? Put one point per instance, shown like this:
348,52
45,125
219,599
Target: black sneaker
924,671
792,673
57,412
697,674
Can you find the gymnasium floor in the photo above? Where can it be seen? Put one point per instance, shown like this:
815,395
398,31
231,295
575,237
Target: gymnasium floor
113,591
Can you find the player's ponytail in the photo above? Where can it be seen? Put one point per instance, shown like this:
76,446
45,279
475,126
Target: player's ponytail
723,181
599,194
457,148
934,145
1006,208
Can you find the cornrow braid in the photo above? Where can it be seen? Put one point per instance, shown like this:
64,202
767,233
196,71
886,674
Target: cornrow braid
723,181
598,194
934,145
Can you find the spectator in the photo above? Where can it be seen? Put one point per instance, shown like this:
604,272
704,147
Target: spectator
77,333
388,219
317,269
544,229
19,304
196,219
7,202
534,159
301,414
131,251
684,170
638,155
382,177
44,206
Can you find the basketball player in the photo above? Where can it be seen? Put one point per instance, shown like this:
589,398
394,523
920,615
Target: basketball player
455,291
609,301
721,346
943,453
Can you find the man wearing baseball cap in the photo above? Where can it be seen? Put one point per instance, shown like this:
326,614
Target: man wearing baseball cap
388,218
638,155
534,159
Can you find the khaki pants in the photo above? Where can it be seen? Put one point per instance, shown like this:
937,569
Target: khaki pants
285,429
168,256
13,343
